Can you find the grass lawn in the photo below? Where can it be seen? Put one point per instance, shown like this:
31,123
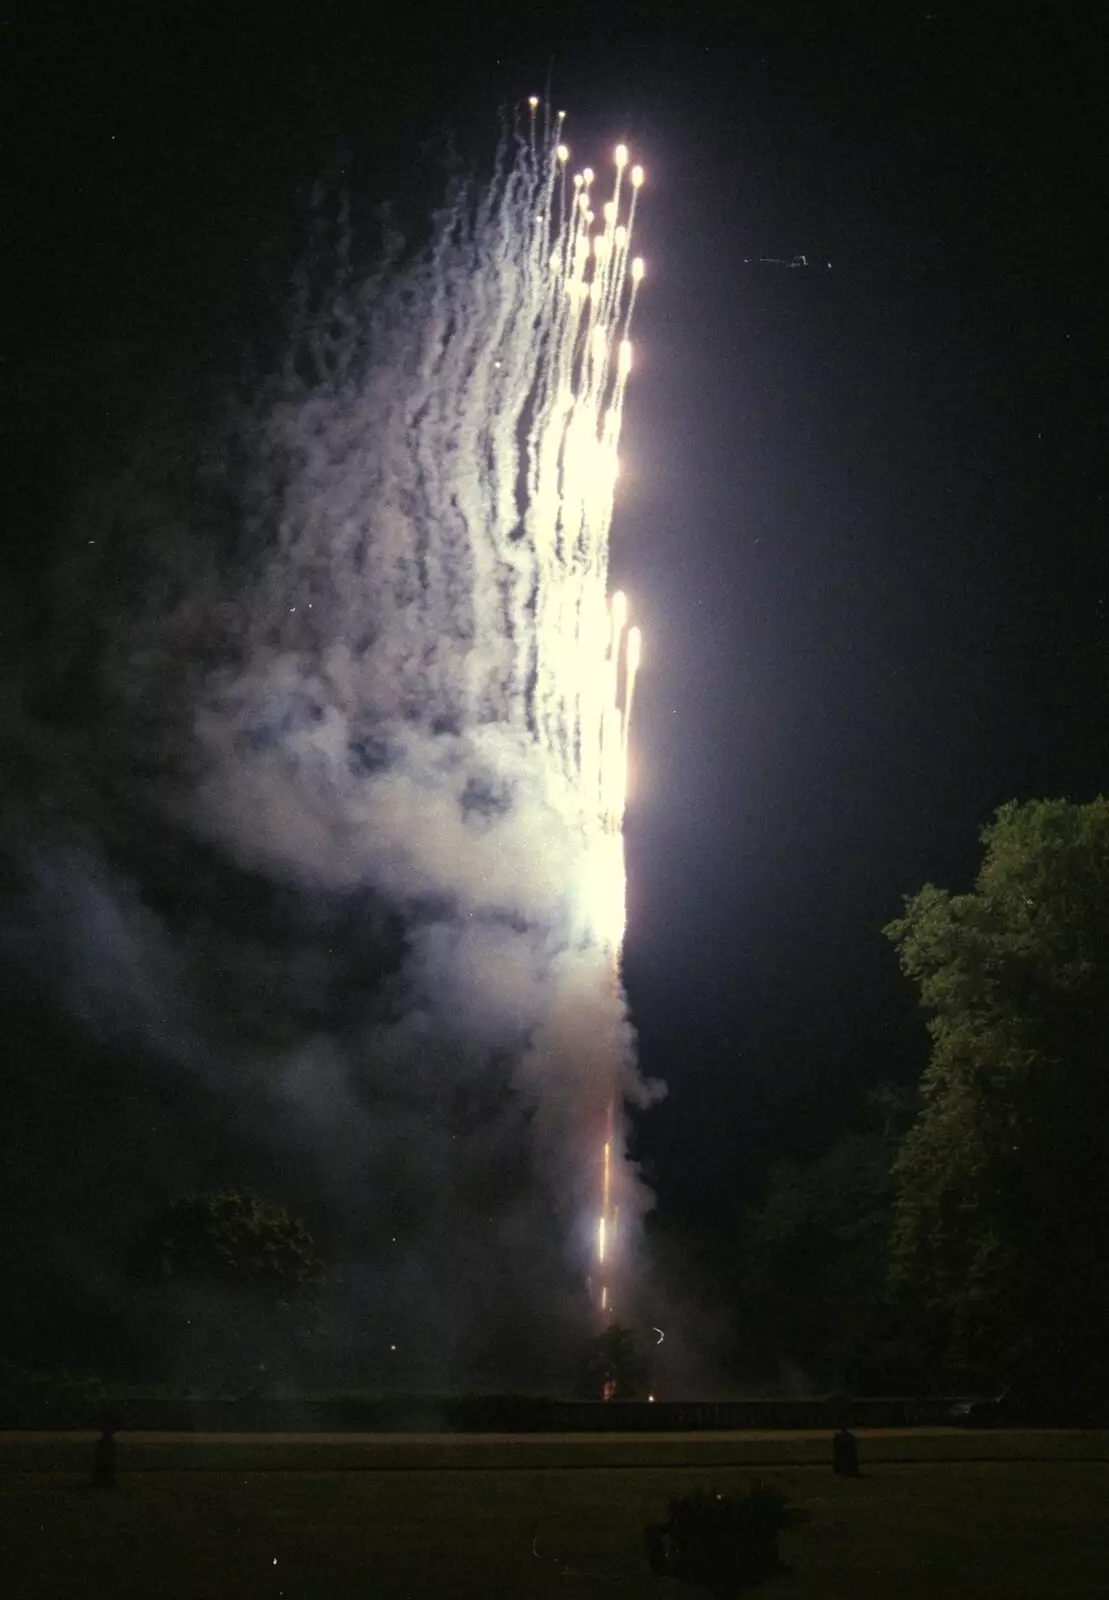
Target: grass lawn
1019,1516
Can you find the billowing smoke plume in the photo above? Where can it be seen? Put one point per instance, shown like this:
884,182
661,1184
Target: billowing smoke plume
344,854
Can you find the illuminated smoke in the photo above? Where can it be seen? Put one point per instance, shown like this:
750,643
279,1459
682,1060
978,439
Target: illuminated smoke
425,683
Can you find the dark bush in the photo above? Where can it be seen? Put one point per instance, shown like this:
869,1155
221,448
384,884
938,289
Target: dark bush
48,1398
722,1542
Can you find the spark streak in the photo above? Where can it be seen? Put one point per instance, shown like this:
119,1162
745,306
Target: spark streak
586,661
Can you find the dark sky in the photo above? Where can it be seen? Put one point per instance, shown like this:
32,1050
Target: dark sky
863,516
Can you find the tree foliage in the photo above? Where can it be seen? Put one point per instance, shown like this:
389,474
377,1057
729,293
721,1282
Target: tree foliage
230,1290
815,1293
234,1239
1002,1217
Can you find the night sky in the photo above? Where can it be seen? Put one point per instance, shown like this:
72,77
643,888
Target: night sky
863,510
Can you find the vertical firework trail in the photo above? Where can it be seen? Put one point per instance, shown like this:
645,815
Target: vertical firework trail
576,682
587,656
429,653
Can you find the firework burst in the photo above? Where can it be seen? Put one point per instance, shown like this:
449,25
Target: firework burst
433,683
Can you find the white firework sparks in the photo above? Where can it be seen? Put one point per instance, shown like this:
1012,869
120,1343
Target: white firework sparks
444,443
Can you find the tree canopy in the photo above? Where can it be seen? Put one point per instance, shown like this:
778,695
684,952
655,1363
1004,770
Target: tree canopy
229,1298
815,1297
1001,1228
233,1239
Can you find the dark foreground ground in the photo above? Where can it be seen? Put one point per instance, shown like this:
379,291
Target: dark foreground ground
1019,1515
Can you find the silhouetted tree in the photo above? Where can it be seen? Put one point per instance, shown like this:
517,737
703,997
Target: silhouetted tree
236,1279
815,1292
234,1238
1002,1208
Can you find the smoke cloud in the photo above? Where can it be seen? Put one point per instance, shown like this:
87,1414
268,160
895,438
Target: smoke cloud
301,820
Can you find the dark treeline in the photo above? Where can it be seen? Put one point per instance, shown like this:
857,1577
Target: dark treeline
958,1237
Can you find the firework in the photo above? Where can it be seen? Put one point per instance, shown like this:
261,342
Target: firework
585,657
578,659
436,626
